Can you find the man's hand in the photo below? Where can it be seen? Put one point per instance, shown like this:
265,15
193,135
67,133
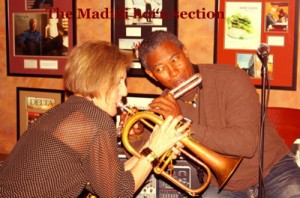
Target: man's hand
165,106
137,128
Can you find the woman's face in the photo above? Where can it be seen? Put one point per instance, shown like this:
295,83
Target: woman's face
109,103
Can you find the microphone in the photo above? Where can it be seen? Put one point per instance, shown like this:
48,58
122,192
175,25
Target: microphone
263,50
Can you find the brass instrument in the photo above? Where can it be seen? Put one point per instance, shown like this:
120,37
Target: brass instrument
222,166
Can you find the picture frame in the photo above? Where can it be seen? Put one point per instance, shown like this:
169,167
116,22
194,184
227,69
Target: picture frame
231,41
33,102
133,20
39,37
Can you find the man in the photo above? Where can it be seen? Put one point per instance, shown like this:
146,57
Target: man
270,19
54,39
31,39
225,111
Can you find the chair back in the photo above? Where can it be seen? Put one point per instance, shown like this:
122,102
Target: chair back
287,123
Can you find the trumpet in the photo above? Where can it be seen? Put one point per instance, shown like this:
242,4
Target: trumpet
222,166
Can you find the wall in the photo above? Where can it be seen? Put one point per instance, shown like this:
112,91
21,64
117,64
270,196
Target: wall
198,36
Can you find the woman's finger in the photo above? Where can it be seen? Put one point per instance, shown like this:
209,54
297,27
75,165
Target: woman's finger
184,127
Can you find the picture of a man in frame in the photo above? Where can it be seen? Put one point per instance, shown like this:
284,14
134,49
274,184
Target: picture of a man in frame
28,35
276,16
44,37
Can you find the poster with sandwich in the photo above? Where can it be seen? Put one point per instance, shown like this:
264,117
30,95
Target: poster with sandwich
242,25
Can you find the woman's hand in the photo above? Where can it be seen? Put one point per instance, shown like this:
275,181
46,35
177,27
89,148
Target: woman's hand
164,137
176,150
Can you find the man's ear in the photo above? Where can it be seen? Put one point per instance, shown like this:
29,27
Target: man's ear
149,73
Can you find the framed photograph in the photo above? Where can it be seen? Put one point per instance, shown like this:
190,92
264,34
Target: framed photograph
252,64
277,15
32,103
134,19
246,26
40,34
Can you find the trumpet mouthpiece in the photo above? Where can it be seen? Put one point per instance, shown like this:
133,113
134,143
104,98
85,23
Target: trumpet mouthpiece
123,107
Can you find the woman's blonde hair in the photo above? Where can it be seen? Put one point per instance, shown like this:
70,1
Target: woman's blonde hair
94,65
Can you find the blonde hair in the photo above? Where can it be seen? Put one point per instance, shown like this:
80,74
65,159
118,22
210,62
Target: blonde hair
92,66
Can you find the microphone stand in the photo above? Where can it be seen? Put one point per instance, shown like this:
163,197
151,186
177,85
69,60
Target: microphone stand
264,72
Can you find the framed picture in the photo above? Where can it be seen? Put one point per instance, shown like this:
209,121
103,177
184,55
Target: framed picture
32,103
134,19
246,26
40,34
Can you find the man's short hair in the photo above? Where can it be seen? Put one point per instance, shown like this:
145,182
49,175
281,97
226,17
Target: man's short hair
152,41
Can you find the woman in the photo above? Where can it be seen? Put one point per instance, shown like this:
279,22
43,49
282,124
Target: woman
73,146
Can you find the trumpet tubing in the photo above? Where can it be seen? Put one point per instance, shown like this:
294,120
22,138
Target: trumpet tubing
186,86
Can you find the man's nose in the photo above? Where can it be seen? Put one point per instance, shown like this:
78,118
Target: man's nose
173,70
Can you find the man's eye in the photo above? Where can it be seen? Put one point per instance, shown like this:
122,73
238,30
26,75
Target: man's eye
159,69
174,59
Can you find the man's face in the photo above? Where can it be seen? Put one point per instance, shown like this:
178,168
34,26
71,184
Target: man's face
273,11
169,65
33,25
